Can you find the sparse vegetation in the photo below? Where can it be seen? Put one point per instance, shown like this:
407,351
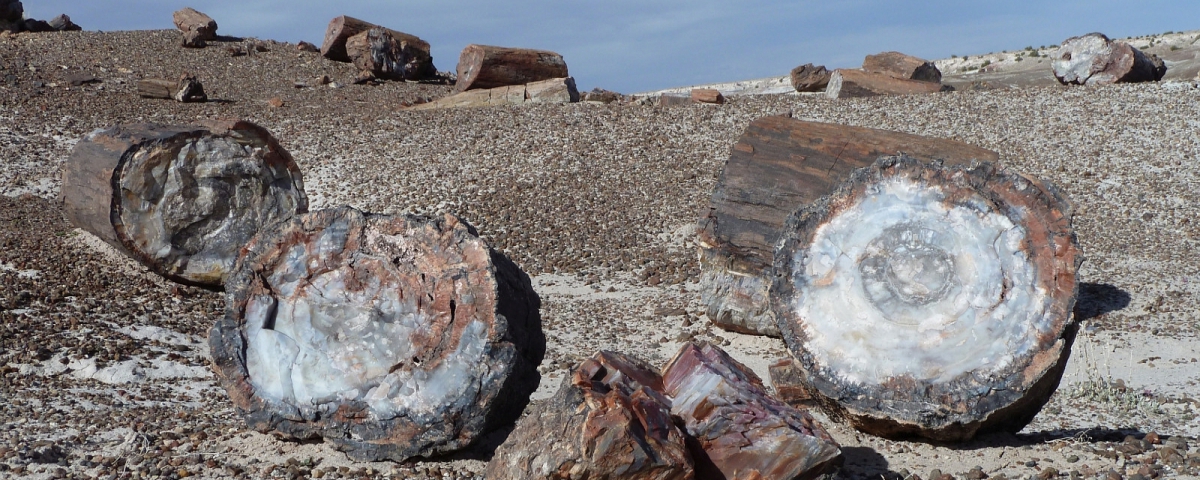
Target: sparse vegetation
1174,47
985,63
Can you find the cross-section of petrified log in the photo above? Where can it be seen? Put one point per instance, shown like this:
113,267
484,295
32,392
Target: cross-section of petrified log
555,90
778,165
418,64
181,200
738,428
383,55
929,300
850,83
391,336
1094,59
485,66
197,27
609,419
187,89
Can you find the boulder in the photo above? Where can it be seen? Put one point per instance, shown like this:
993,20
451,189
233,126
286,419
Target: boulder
848,83
609,419
707,95
12,16
63,23
899,65
418,63
738,429
377,52
557,90
392,337
600,95
810,78
1094,59
926,300
197,27
486,66
36,26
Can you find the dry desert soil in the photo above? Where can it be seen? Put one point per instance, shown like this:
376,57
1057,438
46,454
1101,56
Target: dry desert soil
103,366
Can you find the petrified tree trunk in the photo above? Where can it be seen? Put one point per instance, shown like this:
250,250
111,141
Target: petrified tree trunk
609,419
778,165
197,27
63,23
383,55
1094,59
484,66
810,78
556,90
899,65
715,395
418,65
390,336
186,89
181,200
931,301
846,83
707,95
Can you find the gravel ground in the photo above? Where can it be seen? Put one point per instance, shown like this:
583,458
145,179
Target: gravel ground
103,369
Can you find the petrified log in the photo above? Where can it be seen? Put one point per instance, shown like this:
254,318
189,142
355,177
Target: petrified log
340,29
383,55
186,89
556,90
1094,59
810,78
36,26
391,336
12,15
929,300
707,95
609,419
778,165
181,200
197,27
739,429
847,83
899,65
485,66
63,23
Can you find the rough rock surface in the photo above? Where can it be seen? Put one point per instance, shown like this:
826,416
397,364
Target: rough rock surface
418,63
810,78
777,166
63,23
197,27
707,95
487,66
182,200
851,83
12,15
739,429
376,51
899,65
608,420
187,89
391,336
1094,59
932,301
555,90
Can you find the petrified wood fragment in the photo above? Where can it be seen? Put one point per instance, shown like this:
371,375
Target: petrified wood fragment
419,63
929,300
849,83
810,78
63,23
12,15
609,419
707,95
899,65
181,200
739,429
391,336
187,89
197,27
555,90
778,165
1094,59
485,66
383,55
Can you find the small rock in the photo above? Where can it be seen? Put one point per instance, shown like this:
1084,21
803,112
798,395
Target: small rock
78,79
976,473
1072,458
275,102
63,23
307,47
809,78
1047,473
707,95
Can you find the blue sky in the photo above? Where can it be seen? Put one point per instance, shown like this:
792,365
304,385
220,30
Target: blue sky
637,45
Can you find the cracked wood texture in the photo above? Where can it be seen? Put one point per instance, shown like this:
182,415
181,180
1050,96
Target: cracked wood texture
418,65
555,90
778,165
932,301
850,83
383,55
486,66
392,337
181,200
608,420
738,431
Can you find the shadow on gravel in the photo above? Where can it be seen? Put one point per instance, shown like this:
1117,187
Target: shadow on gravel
1004,439
1097,299
227,38
864,462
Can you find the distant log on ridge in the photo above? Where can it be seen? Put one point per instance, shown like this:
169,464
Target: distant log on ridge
485,66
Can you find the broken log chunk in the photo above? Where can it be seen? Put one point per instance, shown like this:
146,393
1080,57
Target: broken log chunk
12,16
63,23
707,95
381,53
810,78
556,90
392,337
609,419
778,165
714,395
899,65
847,83
932,301
1094,59
187,89
197,27
182,200
485,66
419,64
791,386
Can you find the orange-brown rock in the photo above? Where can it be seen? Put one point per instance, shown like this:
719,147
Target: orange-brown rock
899,65
810,78
418,65
392,337
609,419
707,95
1094,59
927,300
777,166
848,83
187,89
740,430
382,55
555,90
197,27
486,66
